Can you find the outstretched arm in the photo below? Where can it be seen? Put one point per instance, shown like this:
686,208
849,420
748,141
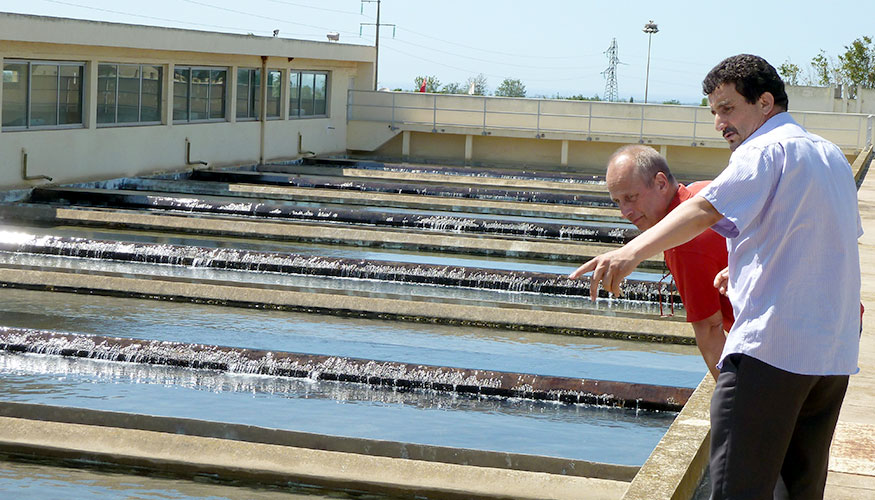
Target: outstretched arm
681,225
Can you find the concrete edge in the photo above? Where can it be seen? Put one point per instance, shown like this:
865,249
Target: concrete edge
861,165
187,455
313,441
674,469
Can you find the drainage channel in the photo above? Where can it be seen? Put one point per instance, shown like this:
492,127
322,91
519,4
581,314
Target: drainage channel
575,231
349,337
421,417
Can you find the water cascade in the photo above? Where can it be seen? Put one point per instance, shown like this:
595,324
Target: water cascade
344,369
241,259
272,262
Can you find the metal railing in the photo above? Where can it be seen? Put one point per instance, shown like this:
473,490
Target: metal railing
586,119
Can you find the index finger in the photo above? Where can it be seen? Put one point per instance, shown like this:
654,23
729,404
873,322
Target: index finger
585,268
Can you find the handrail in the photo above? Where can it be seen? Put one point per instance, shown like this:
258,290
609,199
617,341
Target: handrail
543,117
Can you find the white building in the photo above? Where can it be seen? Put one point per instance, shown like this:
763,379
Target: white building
151,99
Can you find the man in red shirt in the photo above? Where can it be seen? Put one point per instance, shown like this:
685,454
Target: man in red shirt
641,183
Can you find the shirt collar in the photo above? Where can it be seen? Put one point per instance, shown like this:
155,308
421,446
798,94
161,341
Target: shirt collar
782,118
682,194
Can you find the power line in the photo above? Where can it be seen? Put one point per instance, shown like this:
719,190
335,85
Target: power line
510,54
491,61
295,4
70,4
474,72
259,16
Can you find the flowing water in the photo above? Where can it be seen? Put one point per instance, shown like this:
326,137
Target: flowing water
423,416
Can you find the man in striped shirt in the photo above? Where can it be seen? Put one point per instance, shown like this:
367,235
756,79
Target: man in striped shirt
787,203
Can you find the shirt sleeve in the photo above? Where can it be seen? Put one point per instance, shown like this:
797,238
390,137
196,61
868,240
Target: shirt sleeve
745,187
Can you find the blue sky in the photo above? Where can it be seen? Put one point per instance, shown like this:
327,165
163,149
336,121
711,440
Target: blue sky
553,46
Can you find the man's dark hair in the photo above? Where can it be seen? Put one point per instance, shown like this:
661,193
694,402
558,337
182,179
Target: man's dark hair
752,76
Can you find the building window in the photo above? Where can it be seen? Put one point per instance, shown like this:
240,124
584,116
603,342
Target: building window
39,94
248,93
198,94
128,93
274,93
308,93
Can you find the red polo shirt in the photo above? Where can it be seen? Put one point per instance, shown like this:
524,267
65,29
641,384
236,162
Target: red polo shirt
694,265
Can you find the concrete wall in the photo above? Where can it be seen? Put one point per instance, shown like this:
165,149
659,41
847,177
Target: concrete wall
831,99
91,152
557,134
687,162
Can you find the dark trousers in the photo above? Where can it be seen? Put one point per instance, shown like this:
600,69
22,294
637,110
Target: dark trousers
766,423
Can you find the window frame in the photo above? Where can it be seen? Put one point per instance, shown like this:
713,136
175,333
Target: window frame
82,65
253,97
297,75
209,97
139,122
279,99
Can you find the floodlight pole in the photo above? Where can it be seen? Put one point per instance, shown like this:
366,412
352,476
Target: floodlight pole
649,28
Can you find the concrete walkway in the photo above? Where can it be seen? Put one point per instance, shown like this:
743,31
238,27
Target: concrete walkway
852,457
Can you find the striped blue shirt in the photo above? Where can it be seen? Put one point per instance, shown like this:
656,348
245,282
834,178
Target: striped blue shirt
791,220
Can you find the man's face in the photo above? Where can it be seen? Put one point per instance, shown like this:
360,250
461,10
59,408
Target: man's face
639,203
734,117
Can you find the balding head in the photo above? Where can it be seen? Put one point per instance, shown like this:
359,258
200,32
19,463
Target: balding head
641,184
646,160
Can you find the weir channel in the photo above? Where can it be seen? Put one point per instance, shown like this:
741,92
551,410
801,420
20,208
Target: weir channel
411,325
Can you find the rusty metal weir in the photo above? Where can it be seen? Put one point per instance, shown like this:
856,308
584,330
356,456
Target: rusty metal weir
284,263
334,368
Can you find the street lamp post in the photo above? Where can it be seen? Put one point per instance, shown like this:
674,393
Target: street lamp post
649,28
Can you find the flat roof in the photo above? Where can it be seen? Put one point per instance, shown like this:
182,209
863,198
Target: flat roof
65,31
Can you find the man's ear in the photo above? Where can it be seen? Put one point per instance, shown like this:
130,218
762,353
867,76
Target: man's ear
661,180
766,102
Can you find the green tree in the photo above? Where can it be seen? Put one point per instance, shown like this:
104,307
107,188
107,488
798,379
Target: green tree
432,84
672,101
824,72
479,83
511,88
857,64
453,88
704,102
789,72
578,97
